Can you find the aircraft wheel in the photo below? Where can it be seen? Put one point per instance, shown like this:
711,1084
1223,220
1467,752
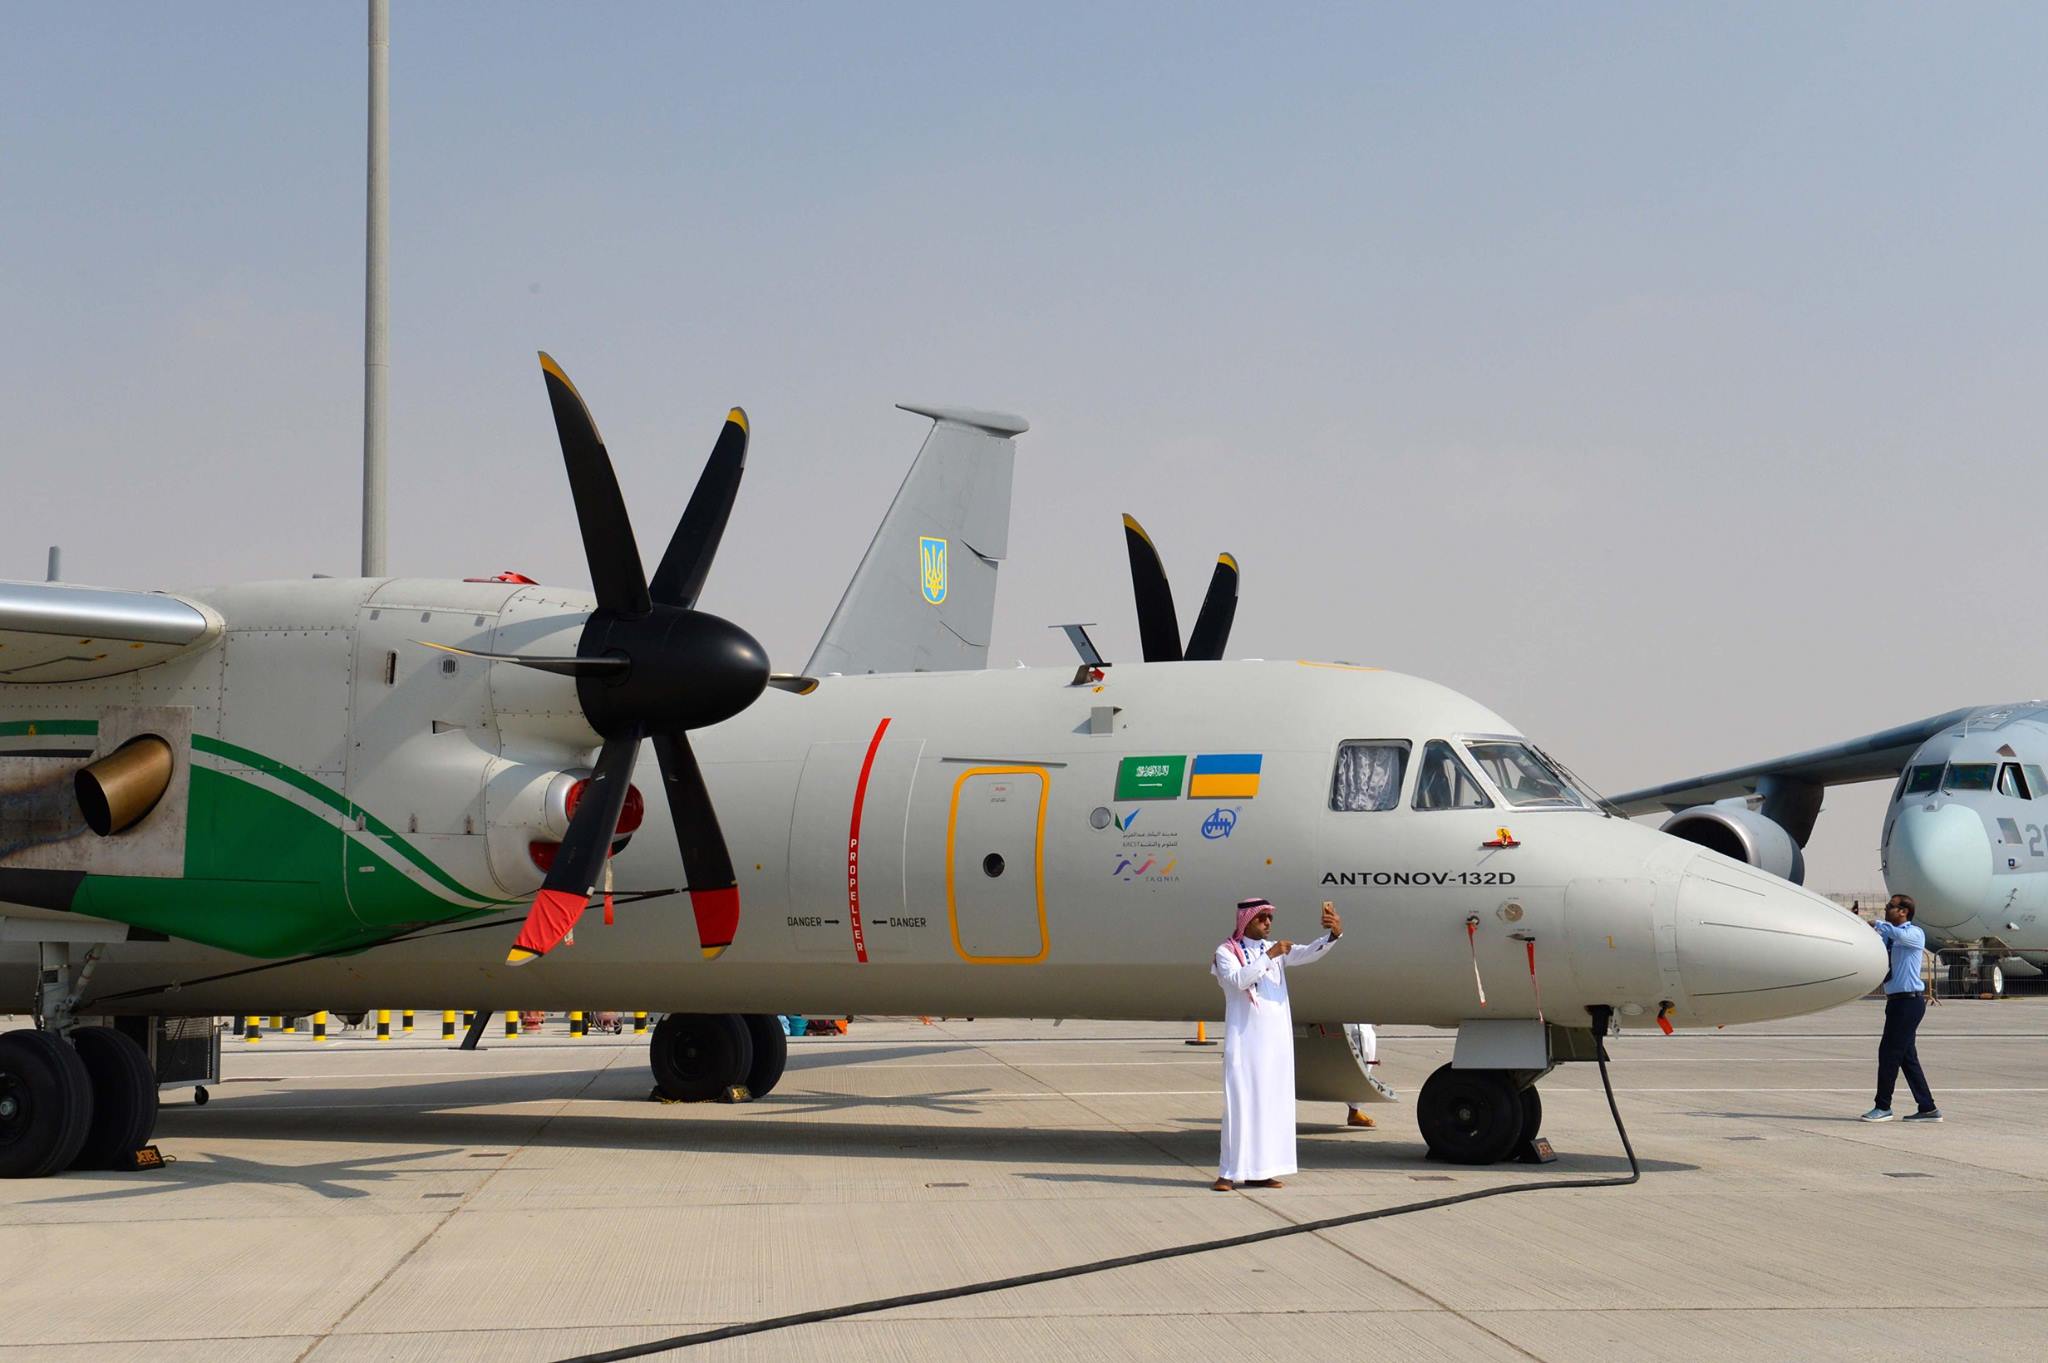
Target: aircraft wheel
697,1056
771,1053
1994,980
124,1098
45,1104
1532,1113
1469,1116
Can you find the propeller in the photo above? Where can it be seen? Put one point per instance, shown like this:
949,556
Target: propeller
649,665
1158,626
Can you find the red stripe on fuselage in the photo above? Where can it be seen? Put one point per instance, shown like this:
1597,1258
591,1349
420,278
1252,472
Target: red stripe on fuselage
860,796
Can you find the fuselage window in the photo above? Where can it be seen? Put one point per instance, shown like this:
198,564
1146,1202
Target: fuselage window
1968,776
1924,780
1441,781
1369,775
2011,782
1522,777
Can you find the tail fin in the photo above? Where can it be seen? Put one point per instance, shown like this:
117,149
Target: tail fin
924,598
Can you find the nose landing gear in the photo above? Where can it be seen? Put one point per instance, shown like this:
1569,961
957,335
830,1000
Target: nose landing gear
1475,1116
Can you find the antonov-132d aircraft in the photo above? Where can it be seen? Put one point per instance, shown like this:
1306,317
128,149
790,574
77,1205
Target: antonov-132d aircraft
1965,834
289,796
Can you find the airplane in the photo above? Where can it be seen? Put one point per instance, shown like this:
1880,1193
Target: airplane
281,796
1965,833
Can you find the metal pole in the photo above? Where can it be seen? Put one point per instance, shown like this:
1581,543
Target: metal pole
56,564
377,293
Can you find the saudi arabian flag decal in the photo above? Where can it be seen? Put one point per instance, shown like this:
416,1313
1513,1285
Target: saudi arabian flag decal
931,563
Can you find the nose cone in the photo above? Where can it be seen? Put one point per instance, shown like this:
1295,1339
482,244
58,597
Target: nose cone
1941,856
1753,947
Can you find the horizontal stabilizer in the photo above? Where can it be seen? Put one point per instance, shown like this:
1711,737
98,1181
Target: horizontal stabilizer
56,632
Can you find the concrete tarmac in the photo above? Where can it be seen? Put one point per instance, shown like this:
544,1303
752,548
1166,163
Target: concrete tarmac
358,1201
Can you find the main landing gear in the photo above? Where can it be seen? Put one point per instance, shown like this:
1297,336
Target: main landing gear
698,1057
1479,1116
71,1097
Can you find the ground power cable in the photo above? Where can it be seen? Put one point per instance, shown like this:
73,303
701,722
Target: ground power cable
759,1327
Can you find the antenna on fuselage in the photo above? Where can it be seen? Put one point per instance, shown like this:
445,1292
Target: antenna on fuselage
56,564
377,291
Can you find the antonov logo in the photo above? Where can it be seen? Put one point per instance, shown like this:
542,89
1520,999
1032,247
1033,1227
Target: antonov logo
931,562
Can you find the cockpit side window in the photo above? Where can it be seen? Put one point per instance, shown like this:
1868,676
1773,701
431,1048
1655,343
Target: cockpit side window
2012,782
1442,782
1369,774
2037,780
1968,776
1522,777
1924,779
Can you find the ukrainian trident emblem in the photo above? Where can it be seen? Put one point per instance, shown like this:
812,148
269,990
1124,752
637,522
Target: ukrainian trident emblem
931,556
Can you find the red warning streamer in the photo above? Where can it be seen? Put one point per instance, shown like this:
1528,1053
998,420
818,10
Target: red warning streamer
1472,941
860,796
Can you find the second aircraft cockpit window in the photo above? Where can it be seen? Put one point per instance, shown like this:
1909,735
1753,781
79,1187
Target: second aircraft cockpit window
1924,779
1968,776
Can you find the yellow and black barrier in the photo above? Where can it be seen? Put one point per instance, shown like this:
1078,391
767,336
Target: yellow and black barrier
252,1030
639,1024
576,1027
447,1024
406,1020
383,1024
511,1023
320,1025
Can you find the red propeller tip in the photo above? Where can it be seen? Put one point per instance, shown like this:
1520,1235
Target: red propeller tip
553,915
718,918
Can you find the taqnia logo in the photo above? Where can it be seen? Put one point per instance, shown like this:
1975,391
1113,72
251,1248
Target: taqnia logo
1219,824
931,565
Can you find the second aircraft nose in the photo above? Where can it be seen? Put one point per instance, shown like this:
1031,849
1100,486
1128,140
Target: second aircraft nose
1753,947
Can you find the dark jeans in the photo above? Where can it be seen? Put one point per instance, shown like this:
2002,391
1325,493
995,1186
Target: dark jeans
1896,1051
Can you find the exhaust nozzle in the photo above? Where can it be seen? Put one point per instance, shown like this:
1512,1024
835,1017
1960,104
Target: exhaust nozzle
118,791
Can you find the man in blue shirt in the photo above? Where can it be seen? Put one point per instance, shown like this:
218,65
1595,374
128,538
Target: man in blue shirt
1905,1003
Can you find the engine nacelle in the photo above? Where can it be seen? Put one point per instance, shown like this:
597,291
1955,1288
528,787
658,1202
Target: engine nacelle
1735,830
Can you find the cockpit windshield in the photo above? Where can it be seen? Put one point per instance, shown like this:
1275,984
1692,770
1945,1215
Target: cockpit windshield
1924,780
1522,776
1968,776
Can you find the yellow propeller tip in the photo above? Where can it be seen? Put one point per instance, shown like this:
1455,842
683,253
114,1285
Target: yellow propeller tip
547,362
738,417
713,953
1229,559
520,956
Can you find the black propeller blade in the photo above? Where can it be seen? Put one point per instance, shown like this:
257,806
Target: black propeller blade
648,665
1158,626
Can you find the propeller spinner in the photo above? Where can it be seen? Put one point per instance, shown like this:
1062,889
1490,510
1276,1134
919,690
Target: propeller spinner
1158,626
649,665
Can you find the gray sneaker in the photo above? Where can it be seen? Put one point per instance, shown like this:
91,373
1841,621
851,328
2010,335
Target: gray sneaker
1932,1114
1876,1114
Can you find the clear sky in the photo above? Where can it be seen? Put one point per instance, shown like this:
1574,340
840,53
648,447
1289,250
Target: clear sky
1666,377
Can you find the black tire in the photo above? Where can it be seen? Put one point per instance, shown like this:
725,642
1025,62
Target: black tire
124,1098
45,1104
1469,1116
698,1056
771,1053
1532,1114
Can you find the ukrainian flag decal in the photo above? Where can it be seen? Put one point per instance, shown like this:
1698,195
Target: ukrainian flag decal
1225,776
931,563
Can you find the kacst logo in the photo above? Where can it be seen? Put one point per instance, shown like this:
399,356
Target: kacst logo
931,566
1219,824
1124,821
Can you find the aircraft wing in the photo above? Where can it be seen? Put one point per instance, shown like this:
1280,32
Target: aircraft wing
1873,757
57,632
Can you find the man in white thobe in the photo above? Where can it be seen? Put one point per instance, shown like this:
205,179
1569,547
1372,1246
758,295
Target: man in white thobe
1365,1044
1258,1044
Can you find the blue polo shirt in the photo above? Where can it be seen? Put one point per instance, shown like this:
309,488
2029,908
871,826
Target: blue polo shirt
1906,943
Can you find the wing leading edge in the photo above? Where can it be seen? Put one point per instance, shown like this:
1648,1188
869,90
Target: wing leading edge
1873,757
57,632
